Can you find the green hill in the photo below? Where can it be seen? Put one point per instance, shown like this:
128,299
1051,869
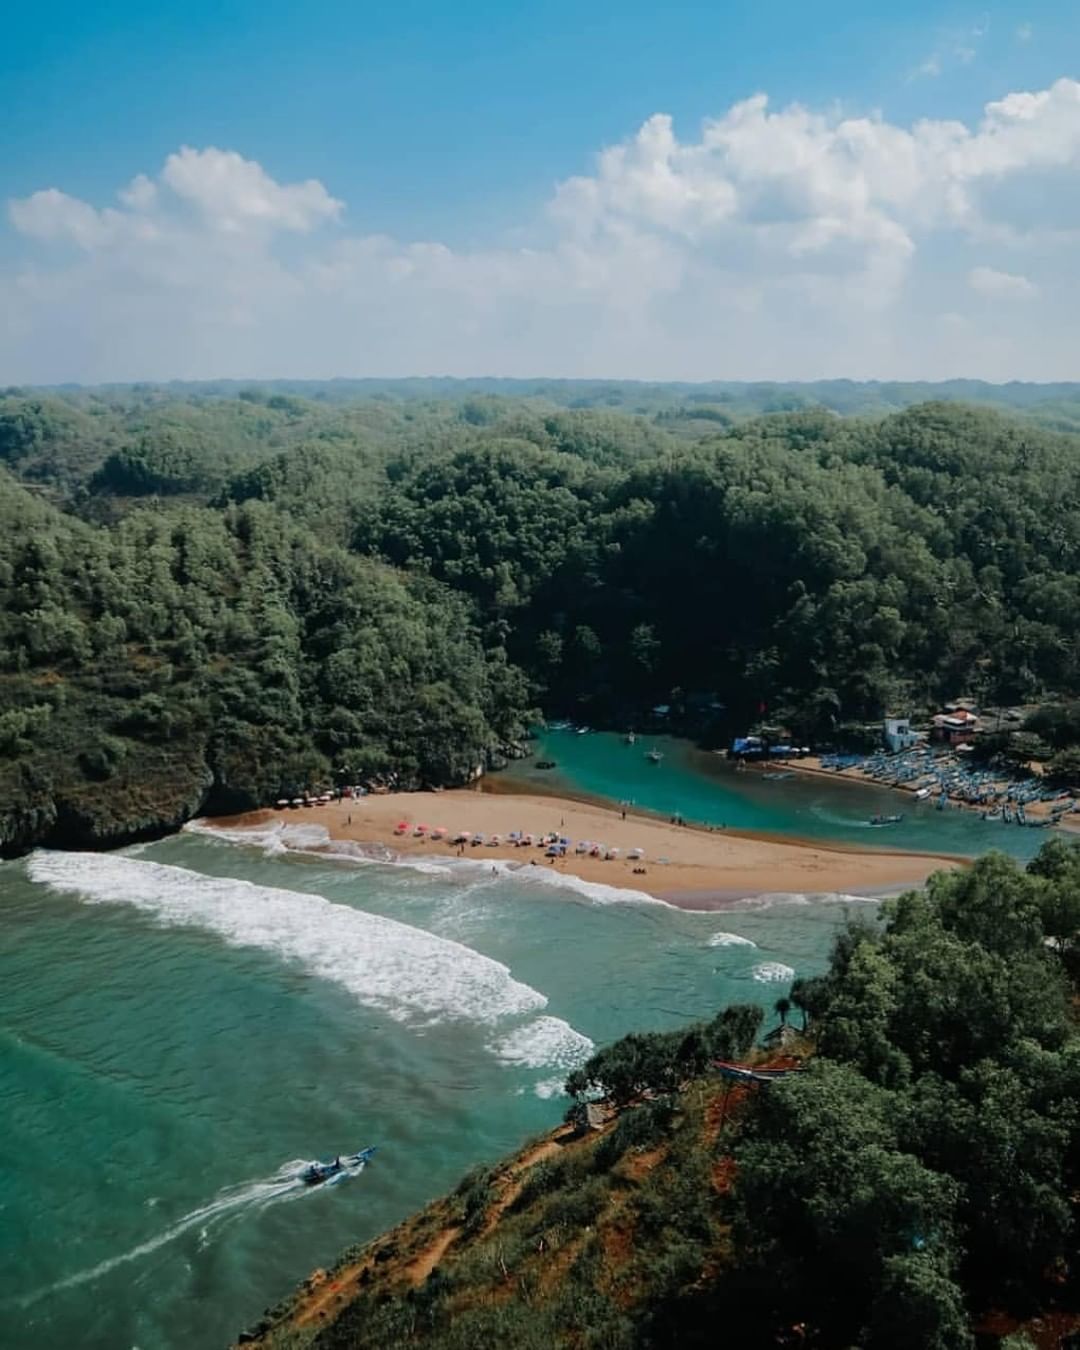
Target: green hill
913,1185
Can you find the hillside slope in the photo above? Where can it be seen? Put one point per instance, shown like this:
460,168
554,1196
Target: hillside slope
913,1185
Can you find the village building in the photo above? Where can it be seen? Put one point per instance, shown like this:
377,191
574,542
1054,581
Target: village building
899,735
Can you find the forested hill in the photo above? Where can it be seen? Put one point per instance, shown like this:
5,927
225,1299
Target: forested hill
214,600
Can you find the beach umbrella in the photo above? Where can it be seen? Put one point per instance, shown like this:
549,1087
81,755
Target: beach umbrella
421,829
582,847
637,854
564,841
402,825
440,829
495,839
552,851
613,852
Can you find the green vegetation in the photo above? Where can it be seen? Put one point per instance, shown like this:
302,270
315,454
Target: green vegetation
221,596
915,1184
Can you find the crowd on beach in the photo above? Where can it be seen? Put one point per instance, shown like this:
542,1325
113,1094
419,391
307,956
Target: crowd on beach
554,843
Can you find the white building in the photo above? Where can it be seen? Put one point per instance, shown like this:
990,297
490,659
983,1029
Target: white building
898,734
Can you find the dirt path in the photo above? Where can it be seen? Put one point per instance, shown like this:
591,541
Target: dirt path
326,1295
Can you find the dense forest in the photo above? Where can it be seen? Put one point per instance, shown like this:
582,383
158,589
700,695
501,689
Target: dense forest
210,596
912,1186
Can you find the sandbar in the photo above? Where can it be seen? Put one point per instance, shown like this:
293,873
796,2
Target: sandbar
692,868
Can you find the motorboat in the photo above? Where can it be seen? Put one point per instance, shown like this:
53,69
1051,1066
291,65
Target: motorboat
315,1173
653,756
886,820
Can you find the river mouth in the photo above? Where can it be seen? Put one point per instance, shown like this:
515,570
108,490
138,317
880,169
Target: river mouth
705,790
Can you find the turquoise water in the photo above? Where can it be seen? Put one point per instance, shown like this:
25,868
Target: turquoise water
705,788
183,1024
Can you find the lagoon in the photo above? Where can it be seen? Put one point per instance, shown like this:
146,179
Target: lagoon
705,788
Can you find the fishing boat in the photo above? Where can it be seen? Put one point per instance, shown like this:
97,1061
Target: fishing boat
314,1174
886,820
653,756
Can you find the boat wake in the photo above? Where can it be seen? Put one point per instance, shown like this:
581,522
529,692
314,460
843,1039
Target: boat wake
284,1185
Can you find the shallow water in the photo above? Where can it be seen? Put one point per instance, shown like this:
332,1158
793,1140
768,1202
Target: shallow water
183,1024
705,788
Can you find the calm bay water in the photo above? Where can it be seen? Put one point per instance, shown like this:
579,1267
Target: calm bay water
182,1024
705,788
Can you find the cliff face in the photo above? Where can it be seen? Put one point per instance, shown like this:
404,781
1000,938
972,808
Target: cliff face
50,800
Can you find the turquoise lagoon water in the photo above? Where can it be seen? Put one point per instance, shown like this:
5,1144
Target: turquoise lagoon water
705,788
183,1024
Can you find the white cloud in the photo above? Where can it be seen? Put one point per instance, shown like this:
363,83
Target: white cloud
234,193
1001,285
777,242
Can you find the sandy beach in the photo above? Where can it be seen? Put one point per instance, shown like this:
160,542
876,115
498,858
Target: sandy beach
693,868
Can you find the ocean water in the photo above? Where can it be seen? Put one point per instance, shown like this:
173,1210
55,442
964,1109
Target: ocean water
705,788
183,1024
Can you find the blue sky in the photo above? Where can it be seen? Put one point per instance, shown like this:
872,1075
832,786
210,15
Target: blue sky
454,130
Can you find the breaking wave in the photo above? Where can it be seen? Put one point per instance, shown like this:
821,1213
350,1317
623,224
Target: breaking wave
411,975
315,841
772,972
723,939
545,1042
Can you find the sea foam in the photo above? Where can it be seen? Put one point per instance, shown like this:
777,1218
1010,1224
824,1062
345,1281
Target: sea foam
411,975
315,840
723,939
545,1042
772,972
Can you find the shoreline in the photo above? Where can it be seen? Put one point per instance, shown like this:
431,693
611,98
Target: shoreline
683,866
812,767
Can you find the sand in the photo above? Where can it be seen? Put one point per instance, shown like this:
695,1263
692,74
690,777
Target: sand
703,869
